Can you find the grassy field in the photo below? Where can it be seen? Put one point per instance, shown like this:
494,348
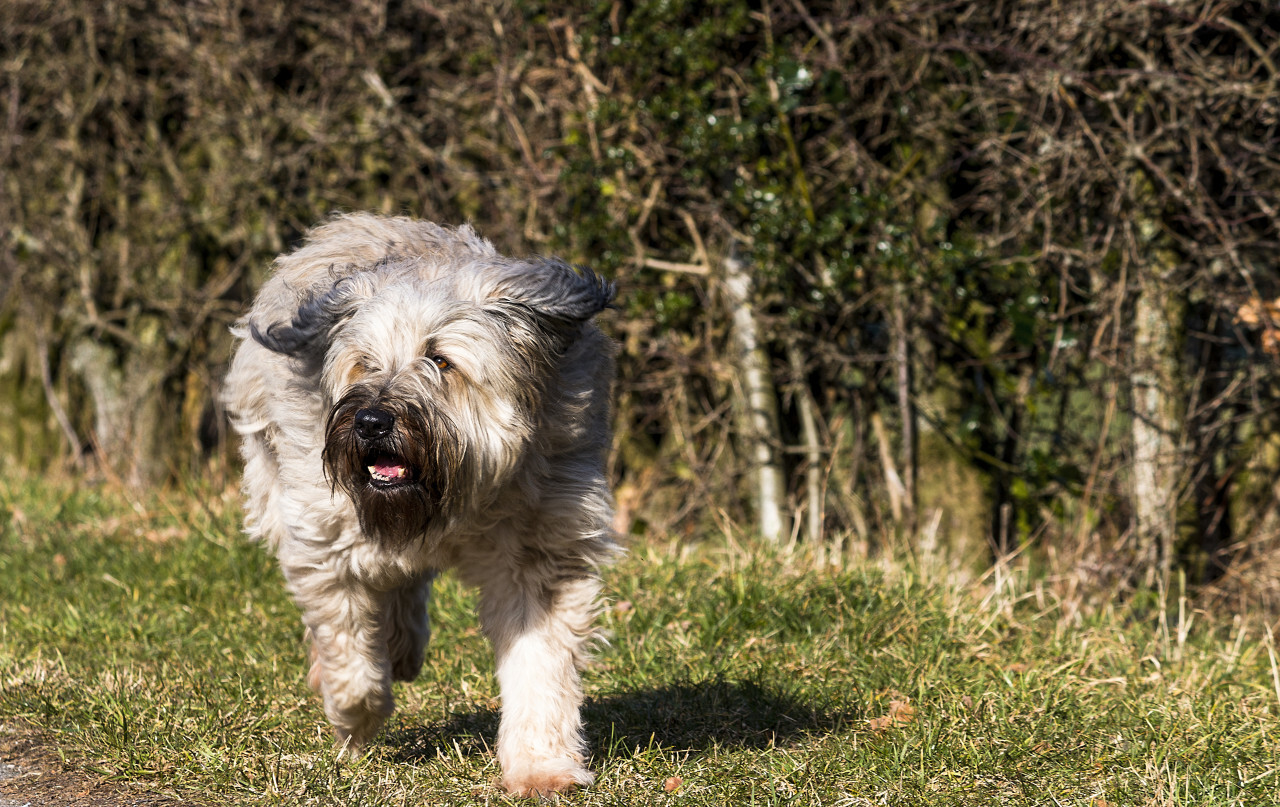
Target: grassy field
150,644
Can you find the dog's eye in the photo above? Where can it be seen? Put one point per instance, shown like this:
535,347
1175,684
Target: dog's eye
441,362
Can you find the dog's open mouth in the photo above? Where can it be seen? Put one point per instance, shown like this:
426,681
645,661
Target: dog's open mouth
387,471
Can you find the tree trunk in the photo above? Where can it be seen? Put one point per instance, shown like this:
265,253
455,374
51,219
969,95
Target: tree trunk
892,480
1158,400
906,406
760,400
812,446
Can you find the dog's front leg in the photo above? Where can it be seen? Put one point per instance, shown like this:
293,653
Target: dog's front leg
350,667
539,635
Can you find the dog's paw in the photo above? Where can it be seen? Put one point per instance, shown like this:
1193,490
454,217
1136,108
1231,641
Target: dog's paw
354,728
347,747
406,667
545,779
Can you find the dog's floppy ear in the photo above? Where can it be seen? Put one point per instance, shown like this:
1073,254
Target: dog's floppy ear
315,319
555,297
554,289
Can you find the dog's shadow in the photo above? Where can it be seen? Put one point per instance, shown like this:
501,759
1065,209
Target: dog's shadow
684,716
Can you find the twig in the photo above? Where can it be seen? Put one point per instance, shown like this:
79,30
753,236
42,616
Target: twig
672,266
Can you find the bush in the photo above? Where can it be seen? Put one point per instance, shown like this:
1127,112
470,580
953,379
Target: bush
1037,242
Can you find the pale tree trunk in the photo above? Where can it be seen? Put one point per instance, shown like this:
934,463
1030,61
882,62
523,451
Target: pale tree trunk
812,447
892,480
906,406
760,400
1158,417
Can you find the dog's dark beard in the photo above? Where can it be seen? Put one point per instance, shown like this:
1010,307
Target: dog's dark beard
422,446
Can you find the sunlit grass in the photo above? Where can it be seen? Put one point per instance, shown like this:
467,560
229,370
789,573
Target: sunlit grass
153,644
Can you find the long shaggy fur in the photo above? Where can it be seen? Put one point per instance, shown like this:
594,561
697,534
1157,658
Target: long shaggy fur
410,401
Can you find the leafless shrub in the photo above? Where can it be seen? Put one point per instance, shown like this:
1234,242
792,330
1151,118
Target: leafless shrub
960,214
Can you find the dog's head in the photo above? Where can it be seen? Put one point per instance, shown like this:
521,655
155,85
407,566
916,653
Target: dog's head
435,379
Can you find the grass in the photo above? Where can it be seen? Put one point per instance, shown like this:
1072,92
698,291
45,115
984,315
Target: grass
152,644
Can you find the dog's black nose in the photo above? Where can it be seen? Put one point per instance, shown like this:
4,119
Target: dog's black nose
373,423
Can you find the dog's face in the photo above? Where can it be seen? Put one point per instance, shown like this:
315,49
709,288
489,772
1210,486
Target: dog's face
435,382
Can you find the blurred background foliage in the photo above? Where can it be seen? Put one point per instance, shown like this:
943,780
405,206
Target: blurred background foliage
1009,268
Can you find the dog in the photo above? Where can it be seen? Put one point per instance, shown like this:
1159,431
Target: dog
410,401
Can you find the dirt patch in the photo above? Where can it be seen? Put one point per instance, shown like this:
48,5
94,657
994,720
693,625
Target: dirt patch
33,775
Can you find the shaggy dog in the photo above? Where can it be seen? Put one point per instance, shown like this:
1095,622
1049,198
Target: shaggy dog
410,401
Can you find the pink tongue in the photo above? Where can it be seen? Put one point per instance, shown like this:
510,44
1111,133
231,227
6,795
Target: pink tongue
388,468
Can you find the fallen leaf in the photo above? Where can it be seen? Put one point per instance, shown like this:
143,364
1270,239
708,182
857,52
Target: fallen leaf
672,784
900,713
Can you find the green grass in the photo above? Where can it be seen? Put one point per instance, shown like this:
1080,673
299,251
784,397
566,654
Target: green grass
153,644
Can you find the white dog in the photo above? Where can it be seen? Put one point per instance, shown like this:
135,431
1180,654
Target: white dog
411,401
